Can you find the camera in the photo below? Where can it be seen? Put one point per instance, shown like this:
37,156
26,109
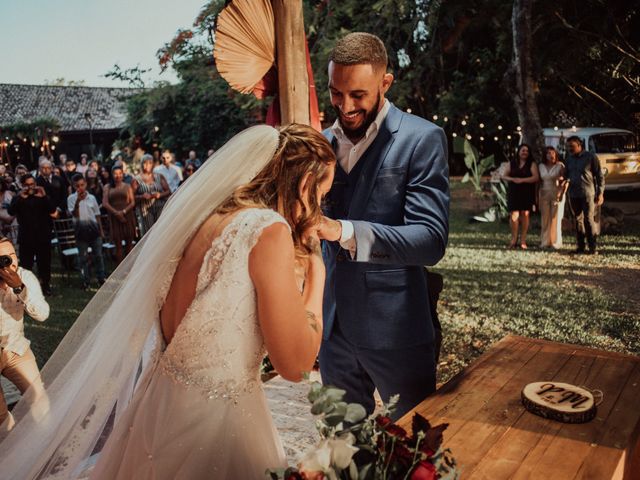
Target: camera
5,261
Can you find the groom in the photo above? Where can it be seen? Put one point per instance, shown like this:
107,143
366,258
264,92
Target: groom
387,217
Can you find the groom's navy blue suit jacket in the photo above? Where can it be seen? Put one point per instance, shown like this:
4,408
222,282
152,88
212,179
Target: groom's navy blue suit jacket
397,197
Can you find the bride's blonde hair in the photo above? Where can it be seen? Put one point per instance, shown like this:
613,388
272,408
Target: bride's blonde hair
301,150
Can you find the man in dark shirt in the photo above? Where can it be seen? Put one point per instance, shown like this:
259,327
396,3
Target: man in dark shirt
586,191
33,208
54,186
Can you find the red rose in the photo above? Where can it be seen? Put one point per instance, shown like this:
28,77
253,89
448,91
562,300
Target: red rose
383,421
424,471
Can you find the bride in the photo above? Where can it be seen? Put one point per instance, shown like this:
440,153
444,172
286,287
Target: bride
231,268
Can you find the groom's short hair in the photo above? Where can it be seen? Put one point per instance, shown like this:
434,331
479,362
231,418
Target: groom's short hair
360,48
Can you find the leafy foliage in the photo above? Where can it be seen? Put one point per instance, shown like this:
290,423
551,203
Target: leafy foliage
357,447
475,166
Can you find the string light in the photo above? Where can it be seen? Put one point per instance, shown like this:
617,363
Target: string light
408,110
55,139
463,123
499,127
495,138
446,119
555,128
518,128
508,137
454,134
482,139
468,137
482,125
574,128
435,117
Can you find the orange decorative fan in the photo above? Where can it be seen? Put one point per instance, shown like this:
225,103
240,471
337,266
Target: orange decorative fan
245,43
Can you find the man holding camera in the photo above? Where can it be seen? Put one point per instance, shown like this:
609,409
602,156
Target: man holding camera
33,208
19,292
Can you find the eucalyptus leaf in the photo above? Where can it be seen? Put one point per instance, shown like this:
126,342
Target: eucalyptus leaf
355,412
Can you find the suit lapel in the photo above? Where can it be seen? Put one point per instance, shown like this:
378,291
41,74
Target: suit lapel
374,157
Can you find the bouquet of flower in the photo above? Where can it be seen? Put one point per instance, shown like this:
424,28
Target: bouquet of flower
356,447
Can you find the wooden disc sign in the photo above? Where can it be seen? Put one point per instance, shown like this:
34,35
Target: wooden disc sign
559,401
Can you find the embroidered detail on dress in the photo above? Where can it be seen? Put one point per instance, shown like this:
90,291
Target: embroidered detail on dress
218,347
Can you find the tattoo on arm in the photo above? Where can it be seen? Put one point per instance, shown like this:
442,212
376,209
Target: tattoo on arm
313,320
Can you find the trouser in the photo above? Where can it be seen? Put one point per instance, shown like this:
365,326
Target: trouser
83,259
42,253
551,213
409,372
583,209
22,371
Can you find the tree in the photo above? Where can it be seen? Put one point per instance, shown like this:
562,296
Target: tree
525,85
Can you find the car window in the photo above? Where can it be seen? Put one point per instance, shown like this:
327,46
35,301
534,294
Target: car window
613,143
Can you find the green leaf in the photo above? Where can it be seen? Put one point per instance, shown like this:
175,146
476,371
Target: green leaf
363,474
355,413
465,179
458,145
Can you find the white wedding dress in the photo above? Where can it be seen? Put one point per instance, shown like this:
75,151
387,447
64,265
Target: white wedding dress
204,414
195,410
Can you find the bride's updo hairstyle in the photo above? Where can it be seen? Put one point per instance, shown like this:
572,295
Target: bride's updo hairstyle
301,150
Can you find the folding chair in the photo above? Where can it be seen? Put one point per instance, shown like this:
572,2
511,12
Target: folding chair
65,235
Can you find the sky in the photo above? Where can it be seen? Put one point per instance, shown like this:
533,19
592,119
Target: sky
42,40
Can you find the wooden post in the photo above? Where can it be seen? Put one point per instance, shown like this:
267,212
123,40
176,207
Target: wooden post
293,82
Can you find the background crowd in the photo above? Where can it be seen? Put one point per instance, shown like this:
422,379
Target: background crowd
101,203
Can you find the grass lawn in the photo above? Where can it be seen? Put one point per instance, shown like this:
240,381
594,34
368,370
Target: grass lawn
489,292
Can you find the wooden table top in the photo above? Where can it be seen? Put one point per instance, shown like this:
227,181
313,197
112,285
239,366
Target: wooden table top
492,436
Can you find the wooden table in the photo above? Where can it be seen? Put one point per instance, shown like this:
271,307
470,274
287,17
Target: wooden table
492,436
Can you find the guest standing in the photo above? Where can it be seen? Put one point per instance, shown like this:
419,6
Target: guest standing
586,191
171,172
84,210
551,199
94,187
151,191
522,176
119,201
33,209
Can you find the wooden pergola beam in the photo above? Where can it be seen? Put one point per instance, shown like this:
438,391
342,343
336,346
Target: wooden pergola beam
293,81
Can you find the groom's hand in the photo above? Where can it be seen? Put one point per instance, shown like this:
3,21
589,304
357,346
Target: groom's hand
330,229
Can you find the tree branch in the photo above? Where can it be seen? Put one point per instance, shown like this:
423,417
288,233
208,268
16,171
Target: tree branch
632,56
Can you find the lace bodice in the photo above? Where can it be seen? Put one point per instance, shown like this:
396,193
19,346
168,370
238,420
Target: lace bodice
218,346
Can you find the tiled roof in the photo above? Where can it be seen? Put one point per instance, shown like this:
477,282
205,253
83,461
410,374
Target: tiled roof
67,105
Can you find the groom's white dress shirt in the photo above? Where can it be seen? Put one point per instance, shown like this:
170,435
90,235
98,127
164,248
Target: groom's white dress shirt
348,155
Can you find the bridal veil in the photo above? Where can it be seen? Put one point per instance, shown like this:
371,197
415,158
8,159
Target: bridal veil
116,341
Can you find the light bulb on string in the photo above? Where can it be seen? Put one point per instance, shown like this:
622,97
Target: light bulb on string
463,123
495,139
409,110
454,134
481,125
508,137
482,139
499,127
555,128
446,119
435,117
468,137
519,128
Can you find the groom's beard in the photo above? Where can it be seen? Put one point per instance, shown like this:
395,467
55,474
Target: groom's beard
370,116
